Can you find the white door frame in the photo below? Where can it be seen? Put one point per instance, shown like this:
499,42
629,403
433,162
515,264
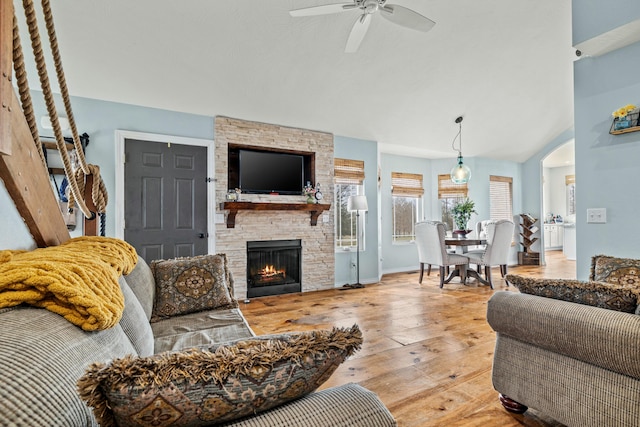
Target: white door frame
121,135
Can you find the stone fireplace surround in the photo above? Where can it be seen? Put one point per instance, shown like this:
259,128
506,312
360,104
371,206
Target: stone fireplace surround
318,256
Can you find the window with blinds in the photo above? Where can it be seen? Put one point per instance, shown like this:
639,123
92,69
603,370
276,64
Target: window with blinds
347,171
448,189
450,193
349,181
407,191
406,184
501,197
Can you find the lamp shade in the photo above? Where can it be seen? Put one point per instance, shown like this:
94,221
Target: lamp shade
460,173
357,203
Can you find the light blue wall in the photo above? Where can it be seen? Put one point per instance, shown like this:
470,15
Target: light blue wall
594,17
100,119
358,149
607,166
479,191
403,256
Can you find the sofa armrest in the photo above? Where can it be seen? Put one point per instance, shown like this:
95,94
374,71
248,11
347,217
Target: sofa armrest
605,338
346,405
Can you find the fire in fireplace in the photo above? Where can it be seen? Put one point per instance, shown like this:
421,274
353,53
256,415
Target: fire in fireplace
273,267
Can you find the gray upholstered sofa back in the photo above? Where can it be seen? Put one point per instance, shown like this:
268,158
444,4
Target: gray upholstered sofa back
42,355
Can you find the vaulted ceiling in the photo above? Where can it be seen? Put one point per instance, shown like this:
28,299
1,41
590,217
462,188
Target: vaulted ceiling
504,65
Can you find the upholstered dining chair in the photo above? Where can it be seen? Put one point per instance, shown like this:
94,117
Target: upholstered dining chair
430,236
499,236
481,228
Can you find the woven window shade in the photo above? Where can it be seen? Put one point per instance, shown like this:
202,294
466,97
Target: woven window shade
406,184
569,179
501,197
347,171
447,189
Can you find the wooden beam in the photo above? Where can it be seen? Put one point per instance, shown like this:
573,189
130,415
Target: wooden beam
27,180
90,225
54,146
6,64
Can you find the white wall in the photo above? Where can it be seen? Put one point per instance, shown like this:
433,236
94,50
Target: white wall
555,190
14,233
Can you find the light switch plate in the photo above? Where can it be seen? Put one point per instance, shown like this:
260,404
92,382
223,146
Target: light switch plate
596,216
219,218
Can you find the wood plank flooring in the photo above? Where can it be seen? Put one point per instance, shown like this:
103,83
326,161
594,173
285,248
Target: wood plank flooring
427,351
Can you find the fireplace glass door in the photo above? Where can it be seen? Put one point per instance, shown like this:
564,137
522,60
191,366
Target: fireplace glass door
273,267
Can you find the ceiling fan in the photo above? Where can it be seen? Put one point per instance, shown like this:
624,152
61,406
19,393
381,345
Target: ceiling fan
397,14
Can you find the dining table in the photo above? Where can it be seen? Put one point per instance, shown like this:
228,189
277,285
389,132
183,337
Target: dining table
462,246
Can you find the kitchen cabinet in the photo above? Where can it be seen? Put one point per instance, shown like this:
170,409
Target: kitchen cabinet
569,246
553,236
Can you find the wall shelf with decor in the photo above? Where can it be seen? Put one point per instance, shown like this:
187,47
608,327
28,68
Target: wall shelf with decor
315,209
625,121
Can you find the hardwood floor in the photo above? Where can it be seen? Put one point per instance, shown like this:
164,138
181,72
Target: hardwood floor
427,351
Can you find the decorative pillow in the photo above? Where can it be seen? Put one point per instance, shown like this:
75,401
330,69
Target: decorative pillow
188,285
596,294
203,387
621,271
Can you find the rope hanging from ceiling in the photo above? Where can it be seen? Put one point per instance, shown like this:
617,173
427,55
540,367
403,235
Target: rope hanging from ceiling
77,180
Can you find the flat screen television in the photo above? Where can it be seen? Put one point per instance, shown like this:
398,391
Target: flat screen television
264,172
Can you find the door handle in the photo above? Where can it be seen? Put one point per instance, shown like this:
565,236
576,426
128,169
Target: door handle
203,235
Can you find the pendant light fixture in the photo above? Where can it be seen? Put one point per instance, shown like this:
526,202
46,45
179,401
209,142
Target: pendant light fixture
460,174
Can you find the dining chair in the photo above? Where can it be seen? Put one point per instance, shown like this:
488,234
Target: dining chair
496,252
430,236
481,228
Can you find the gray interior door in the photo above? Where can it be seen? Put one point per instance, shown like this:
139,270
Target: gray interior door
165,199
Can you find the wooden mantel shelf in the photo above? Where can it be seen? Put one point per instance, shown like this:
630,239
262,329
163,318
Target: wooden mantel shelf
233,207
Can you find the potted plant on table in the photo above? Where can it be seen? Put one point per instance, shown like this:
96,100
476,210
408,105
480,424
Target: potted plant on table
461,215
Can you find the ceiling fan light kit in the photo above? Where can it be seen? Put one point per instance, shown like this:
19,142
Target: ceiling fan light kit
399,15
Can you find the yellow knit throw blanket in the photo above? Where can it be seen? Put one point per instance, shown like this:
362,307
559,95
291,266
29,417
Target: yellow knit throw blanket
77,279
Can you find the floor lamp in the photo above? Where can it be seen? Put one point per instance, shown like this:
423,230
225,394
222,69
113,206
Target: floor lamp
357,204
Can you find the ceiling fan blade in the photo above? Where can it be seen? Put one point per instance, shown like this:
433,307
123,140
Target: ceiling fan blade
406,17
357,33
323,10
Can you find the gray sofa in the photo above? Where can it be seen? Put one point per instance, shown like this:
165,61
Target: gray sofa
570,349
42,356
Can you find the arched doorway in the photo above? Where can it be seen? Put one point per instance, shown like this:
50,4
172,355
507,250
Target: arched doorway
558,201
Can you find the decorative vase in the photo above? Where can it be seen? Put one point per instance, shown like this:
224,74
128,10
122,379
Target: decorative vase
460,234
310,198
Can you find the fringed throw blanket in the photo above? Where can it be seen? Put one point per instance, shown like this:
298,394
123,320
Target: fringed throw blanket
77,279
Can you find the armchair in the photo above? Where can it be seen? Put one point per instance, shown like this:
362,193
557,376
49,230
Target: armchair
569,348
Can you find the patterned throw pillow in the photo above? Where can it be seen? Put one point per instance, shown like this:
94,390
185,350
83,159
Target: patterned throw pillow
620,271
188,285
202,387
596,294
